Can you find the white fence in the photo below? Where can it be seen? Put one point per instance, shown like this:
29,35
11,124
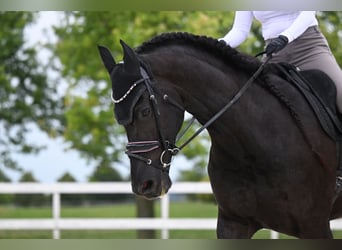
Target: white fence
164,223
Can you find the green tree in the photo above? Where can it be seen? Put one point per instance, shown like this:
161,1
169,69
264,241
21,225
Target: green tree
3,177
70,199
25,200
66,177
105,174
26,97
330,24
5,198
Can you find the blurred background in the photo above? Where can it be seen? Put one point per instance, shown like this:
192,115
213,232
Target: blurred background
56,115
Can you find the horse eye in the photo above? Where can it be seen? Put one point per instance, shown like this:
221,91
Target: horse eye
146,112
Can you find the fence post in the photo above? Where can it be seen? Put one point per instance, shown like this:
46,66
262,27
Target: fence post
56,213
165,208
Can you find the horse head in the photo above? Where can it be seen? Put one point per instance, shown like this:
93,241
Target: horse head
150,120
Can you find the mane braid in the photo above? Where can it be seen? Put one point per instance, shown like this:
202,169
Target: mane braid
211,45
267,84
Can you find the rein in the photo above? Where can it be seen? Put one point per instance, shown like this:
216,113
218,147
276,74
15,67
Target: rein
134,149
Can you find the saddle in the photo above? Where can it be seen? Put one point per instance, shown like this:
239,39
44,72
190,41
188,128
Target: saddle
320,92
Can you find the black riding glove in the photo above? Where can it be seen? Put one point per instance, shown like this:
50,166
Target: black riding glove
276,45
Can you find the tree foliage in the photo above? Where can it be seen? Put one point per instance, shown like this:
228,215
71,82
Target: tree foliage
29,199
66,177
70,199
25,95
105,173
5,198
331,26
3,177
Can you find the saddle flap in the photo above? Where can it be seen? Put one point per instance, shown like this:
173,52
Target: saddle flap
320,92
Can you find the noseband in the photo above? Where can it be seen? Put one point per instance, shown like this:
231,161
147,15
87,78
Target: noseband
136,148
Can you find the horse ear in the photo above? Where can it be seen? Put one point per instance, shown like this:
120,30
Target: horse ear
131,62
107,58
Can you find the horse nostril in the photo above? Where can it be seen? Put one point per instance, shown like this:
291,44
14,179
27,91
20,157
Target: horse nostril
146,186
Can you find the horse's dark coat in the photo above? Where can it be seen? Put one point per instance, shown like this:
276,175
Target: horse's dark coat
271,165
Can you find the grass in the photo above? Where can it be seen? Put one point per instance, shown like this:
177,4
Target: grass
177,210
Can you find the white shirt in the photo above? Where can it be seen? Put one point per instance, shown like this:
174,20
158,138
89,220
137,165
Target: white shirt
274,23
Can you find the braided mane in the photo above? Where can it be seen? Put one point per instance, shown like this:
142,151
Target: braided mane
208,44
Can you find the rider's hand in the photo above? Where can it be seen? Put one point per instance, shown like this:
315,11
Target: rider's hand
276,45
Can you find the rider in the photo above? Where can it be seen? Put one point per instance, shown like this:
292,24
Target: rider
292,37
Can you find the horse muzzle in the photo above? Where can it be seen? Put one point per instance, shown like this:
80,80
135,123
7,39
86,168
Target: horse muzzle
153,188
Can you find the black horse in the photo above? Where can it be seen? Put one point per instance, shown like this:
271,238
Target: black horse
271,165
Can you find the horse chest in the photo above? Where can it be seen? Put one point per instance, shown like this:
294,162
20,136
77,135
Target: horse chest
233,194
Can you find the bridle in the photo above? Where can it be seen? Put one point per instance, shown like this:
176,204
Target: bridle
135,148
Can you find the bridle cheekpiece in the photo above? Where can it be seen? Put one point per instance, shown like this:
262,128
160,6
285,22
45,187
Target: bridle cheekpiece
136,148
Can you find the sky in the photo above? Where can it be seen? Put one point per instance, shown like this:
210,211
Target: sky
51,163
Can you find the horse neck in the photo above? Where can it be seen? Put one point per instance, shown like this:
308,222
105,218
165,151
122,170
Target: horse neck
204,84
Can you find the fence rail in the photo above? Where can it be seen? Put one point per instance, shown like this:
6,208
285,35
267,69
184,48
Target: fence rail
164,223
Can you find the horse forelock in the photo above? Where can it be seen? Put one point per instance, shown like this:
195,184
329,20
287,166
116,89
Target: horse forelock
210,45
